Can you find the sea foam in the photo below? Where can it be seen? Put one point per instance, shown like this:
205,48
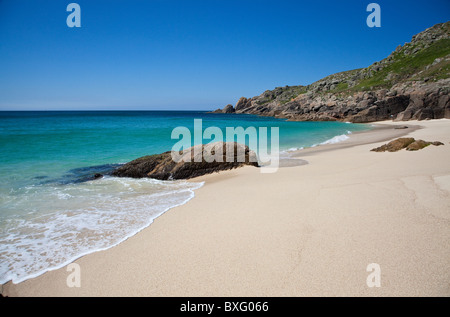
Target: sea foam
65,222
336,139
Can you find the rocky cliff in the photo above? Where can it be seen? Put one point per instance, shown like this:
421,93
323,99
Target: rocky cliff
413,82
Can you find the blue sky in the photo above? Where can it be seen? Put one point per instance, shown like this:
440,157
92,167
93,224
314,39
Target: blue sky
190,54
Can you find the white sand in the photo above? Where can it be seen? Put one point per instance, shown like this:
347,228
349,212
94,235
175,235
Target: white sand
304,231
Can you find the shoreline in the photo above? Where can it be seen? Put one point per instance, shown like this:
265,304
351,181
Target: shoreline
212,222
382,131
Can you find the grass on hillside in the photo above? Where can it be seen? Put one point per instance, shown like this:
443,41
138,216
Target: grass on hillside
407,65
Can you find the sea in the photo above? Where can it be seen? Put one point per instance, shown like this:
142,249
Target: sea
53,211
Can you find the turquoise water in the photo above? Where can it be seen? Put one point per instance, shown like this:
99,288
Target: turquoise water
51,212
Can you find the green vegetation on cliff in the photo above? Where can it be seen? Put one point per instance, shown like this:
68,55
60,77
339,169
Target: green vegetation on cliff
411,67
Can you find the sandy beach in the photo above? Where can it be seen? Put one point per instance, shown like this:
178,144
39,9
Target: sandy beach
308,230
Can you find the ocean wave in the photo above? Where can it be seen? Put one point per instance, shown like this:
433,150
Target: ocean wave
336,139
83,218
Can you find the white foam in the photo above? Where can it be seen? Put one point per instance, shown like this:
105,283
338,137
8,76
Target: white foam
82,219
293,149
336,139
333,140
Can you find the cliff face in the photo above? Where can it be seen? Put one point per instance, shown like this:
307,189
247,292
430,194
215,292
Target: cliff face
413,82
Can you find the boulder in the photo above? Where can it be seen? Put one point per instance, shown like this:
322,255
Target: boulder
417,145
195,161
424,114
395,145
397,104
404,115
410,144
447,112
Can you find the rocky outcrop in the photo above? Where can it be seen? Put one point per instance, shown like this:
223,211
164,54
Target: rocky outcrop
410,144
243,103
228,109
395,145
195,161
411,83
420,144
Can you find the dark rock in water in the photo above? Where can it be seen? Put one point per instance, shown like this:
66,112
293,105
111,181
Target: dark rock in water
89,173
401,127
195,161
83,174
410,144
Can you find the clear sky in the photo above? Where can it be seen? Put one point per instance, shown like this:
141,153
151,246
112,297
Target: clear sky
189,54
